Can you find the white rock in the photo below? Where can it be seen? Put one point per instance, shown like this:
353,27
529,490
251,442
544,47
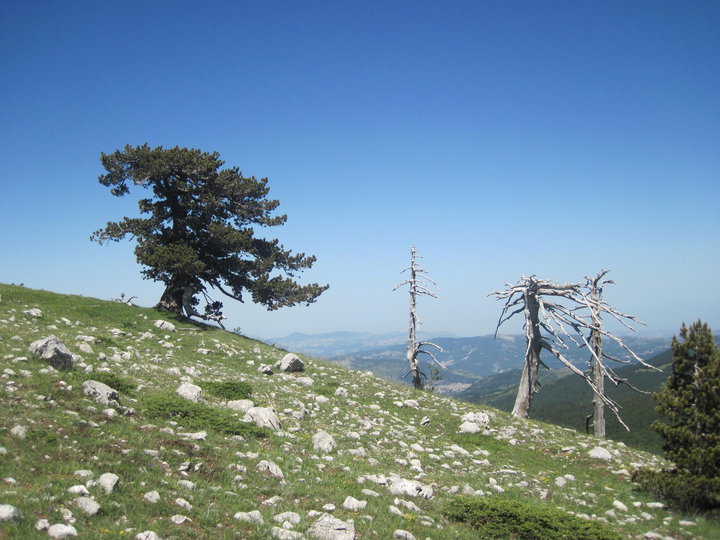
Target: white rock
186,484
412,403
165,325
183,503
42,524
108,482
328,527
305,381
263,417
52,351
242,405
9,513
87,505
251,517
351,503
403,535
284,534
152,497
600,453
179,519
60,530
100,392
323,442
402,486
189,391
78,490
469,427
560,481
147,535
19,431
341,392
291,517
479,418
290,363
271,468
34,312
619,506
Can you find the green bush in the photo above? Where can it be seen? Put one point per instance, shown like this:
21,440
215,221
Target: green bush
230,390
505,518
681,490
116,382
197,416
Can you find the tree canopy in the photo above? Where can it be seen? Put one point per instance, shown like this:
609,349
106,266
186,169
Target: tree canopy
197,231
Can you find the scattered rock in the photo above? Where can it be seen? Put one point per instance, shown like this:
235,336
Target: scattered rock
164,325
413,488
469,427
147,535
60,530
270,468
291,517
328,527
87,505
323,442
351,503
189,391
600,453
290,363
264,369
263,417
242,405
403,535
179,519
9,513
52,351
108,482
284,534
34,312
152,497
100,392
250,517
19,431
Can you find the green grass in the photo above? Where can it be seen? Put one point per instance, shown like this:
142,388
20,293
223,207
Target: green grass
67,431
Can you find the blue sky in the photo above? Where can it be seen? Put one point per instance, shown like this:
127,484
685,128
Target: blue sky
501,138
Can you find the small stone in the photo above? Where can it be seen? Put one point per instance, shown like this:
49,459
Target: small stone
328,527
600,453
179,519
19,431
108,482
190,392
323,442
284,534
78,490
187,484
271,468
619,506
60,530
290,363
147,535
87,505
290,517
164,325
403,535
469,427
9,513
42,525
152,497
250,517
351,503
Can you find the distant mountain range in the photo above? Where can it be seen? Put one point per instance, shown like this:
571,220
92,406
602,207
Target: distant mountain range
466,359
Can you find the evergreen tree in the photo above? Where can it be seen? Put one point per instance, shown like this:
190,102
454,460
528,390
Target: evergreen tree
690,400
199,231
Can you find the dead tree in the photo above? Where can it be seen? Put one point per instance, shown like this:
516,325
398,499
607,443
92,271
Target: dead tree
596,306
419,286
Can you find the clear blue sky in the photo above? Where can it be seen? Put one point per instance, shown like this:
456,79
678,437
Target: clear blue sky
501,138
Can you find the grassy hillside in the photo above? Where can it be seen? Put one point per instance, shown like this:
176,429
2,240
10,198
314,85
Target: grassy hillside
55,442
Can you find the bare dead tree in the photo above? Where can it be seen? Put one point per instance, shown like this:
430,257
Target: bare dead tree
123,300
593,301
419,286
549,324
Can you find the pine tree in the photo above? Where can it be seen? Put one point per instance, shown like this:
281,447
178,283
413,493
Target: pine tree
690,401
199,231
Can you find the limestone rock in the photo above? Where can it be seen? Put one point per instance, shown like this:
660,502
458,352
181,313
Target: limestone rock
291,517
52,351
323,442
263,417
147,535
351,503
165,325
413,488
600,453
19,431
108,482
250,517
33,312
100,392
271,468
242,405
87,505
189,391
328,527
60,530
152,497
290,363
9,513
469,427
403,535
284,534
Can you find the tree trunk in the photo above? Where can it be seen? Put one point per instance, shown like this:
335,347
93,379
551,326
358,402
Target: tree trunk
171,300
599,380
529,382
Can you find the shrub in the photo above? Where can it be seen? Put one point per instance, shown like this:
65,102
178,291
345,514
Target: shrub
505,518
121,384
230,390
680,490
170,406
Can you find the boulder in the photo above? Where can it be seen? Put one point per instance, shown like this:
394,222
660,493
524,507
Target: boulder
263,417
60,530
323,442
9,513
165,325
250,517
290,363
242,405
271,468
600,453
469,427
328,527
100,392
108,482
147,535
52,351
87,505
413,488
190,392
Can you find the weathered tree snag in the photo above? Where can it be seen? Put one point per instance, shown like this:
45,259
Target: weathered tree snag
418,287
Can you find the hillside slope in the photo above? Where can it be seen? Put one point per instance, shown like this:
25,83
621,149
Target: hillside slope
201,472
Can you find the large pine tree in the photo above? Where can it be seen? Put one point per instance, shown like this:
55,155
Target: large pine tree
690,401
199,234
